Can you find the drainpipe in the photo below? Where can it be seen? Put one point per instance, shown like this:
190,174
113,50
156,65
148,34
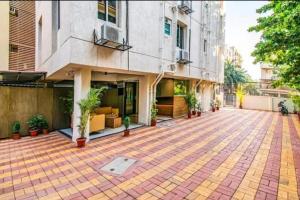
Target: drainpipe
197,84
174,36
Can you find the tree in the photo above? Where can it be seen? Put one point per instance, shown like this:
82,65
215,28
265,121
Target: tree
233,76
280,41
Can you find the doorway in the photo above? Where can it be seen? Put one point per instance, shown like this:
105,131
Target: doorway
130,98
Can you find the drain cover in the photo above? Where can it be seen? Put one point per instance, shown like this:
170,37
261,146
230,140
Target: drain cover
118,165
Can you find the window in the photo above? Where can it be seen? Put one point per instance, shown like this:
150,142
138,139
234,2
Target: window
205,45
168,23
180,36
13,48
107,10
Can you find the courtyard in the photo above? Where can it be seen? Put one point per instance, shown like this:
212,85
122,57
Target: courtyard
229,154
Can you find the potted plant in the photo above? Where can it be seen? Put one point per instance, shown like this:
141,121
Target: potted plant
87,106
195,102
218,103
240,94
189,100
33,124
16,130
213,105
199,109
126,122
44,125
296,101
154,111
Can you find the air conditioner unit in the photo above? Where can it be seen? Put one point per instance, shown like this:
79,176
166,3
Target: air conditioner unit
182,56
111,33
13,11
170,68
185,6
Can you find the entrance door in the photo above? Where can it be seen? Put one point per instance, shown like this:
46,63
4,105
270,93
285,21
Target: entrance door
130,98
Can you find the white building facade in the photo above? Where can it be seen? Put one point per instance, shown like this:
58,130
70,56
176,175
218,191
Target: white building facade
132,41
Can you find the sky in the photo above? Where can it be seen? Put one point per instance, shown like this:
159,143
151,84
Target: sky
240,15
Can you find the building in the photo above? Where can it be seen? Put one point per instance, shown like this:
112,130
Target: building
141,50
266,80
232,55
17,36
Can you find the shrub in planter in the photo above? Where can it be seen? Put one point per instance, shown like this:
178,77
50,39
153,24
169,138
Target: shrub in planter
126,123
213,105
199,109
16,130
296,101
154,111
68,105
218,103
190,101
33,124
44,126
87,106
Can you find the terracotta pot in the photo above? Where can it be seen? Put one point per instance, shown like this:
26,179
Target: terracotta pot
80,142
198,114
213,109
194,112
33,133
153,122
45,131
189,115
126,133
218,108
16,136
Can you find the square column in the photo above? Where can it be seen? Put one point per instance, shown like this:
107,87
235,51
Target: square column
82,85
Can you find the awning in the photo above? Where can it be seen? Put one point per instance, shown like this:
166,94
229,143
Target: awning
20,78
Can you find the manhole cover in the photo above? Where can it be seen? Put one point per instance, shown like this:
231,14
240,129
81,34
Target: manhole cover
118,165
166,124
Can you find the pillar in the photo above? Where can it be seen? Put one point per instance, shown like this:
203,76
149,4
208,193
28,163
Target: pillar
82,85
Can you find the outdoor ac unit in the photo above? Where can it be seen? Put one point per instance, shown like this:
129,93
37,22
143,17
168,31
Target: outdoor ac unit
111,33
185,6
170,68
13,11
182,55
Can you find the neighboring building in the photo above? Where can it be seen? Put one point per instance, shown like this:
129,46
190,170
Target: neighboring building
267,77
132,46
17,36
232,55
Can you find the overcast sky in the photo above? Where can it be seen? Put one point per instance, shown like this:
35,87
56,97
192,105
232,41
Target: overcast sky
240,15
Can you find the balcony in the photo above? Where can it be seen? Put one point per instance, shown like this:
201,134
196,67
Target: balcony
185,6
110,37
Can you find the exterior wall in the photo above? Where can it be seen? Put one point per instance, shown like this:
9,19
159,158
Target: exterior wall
151,50
232,55
267,103
4,34
22,103
22,34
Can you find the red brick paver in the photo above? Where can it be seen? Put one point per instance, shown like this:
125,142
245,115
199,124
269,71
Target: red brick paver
230,154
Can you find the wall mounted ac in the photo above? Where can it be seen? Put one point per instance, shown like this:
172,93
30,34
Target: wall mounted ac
169,68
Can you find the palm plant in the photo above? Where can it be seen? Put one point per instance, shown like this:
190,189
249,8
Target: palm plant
87,105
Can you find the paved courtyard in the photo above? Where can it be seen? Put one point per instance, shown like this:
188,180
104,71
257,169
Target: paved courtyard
230,154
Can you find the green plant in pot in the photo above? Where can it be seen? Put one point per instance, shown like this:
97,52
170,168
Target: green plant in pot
154,111
213,105
199,109
87,106
189,100
218,104
33,124
16,126
44,125
126,122
195,102
296,101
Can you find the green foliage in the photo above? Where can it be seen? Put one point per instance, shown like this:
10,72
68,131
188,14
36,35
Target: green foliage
280,41
16,127
42,124
180,87
154,111
218,102
296,100
212,103
33,122
68,102
126,122
87,106
199,108
190,100
234,75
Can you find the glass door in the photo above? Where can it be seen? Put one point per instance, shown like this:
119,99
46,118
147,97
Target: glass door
130,98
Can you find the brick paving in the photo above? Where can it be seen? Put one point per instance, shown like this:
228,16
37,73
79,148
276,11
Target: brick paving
229,154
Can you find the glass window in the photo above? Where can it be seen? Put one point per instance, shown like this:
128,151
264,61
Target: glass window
168,23
180,36
107,10
205,45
